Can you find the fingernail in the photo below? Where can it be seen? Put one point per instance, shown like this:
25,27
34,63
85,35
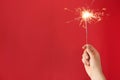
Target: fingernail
83,47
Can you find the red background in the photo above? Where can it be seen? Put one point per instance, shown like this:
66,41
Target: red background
37,44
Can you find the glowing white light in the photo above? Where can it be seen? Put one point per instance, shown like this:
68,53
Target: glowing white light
86,15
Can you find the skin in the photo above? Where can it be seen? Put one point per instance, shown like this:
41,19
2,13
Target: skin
92,63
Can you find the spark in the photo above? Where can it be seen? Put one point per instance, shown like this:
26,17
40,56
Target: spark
86,15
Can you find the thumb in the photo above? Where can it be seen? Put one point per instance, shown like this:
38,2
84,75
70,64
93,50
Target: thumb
89,49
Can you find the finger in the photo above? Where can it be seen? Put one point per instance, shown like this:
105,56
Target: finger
86,55
86,46
85,58
85,62
90,50
90,53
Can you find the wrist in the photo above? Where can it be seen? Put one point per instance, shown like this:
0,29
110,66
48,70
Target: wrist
99,76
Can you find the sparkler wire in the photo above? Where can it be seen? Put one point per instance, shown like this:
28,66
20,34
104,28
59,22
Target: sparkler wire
86,27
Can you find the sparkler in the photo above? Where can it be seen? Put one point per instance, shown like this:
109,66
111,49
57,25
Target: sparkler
87,16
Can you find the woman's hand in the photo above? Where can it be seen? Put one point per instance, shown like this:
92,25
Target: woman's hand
92,64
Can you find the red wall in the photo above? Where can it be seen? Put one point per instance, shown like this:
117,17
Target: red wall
37,44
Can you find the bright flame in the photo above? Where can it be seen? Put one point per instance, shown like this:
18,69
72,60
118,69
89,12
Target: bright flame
86,15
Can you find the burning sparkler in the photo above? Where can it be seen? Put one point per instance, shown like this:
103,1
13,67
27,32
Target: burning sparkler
87,16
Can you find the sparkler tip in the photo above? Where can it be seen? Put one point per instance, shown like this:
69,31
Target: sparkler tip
87,15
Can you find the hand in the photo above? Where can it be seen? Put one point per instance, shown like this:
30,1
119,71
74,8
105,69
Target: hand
92,64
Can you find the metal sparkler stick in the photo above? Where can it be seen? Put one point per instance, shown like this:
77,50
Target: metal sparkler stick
86,27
